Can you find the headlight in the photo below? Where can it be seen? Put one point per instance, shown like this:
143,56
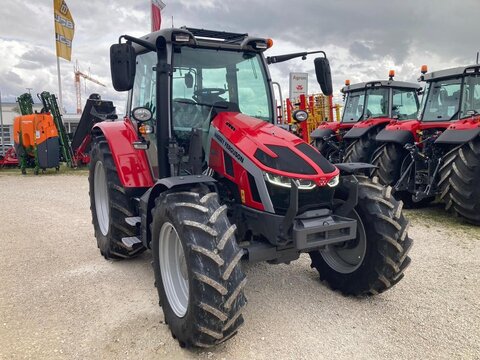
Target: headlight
284,181
334,181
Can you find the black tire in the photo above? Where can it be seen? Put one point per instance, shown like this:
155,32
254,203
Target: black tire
328,152
212,257
459,176
362,149
119,206
388,160
387,244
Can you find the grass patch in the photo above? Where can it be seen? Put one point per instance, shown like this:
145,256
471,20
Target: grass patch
435,215
64,170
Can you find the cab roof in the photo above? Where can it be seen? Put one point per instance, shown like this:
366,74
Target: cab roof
447,73
381,83
205,38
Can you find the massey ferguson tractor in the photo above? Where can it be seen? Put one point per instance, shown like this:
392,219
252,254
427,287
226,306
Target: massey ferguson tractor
369,107
198,173
439,154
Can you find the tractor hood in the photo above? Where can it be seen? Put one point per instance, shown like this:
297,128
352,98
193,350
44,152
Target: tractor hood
270,148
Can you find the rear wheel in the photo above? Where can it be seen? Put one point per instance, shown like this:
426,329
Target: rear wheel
361,150
328,151
110,204
458,183
376,259
196,261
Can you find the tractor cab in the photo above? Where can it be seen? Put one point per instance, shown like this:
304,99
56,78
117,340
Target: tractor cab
451,95
380,99
184,78
369,107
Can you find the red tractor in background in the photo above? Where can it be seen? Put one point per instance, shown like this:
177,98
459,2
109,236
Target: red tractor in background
198,172
439,154
369,107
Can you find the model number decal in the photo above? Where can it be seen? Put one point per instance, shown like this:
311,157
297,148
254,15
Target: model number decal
228,147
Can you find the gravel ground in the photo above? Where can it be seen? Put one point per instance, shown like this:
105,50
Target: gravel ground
59,299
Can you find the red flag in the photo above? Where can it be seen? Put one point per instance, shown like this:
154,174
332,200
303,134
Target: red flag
157,6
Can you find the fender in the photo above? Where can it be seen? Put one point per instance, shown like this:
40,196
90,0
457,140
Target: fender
457,136
395,136
400,132
352,168
362,127
132,165
321,133
147,201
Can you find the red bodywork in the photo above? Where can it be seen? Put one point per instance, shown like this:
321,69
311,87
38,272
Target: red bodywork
416,126
248,134
132,164
81,156
466,124
372,122
10,158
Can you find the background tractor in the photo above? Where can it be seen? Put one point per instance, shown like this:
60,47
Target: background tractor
198,173
369,107
439,154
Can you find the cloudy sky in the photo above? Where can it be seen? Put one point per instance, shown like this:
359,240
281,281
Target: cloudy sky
363,39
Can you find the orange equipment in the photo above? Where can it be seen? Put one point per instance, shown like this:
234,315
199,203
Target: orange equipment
36,141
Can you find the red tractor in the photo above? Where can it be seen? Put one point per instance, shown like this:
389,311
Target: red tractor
369,107
198,173
439,154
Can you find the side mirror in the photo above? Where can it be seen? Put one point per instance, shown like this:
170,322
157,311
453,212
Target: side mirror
324,76
188,80
122,66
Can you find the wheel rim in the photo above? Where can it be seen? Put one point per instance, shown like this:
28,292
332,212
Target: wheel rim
100,191
347,258
173,268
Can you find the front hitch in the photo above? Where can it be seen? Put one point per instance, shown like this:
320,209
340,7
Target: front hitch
291,212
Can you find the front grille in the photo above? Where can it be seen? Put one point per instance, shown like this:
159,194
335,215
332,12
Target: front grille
317,198
287,160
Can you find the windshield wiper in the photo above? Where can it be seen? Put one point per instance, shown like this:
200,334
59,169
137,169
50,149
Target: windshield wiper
201,104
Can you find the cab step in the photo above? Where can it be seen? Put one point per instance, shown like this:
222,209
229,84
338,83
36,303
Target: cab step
133,220
130,241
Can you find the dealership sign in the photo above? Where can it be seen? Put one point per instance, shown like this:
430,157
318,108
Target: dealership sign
298,85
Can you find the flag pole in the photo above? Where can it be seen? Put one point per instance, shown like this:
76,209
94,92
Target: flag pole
60,101
1,125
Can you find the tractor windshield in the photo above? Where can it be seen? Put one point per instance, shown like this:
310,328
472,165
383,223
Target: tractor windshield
443,100
205,78
471,96
365,104
353,109
405,103
376,103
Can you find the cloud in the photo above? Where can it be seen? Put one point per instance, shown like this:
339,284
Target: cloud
363,39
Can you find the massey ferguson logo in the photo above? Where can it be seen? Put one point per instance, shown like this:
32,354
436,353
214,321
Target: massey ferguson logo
228,147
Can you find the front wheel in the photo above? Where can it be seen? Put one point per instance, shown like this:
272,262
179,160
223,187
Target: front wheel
110,204
374,261
361,149
196,261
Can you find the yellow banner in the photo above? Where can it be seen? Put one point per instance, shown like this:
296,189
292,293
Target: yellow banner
64,29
